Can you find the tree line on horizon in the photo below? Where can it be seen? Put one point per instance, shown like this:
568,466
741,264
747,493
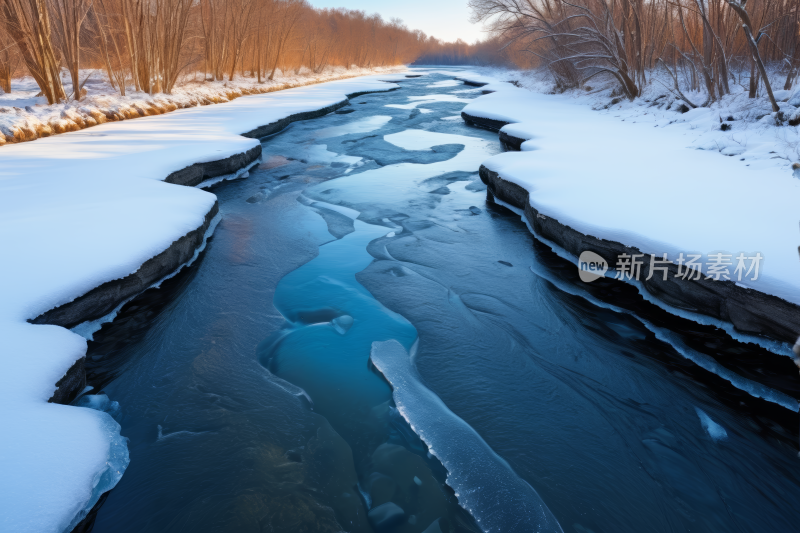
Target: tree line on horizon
148,44
702,46
489,51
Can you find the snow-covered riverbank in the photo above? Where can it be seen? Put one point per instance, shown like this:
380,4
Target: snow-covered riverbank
24,116
657,181
78,211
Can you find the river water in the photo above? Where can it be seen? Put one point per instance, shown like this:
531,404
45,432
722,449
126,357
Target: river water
251,402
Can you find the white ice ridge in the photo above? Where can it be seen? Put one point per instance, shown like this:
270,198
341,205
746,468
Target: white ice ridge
78,210
444,83
646,182
714,430
428,99
484,483
364,125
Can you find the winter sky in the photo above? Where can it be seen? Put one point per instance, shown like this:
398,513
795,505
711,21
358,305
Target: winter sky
447,20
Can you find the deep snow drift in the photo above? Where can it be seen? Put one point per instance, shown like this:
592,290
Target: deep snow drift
656,179
78,210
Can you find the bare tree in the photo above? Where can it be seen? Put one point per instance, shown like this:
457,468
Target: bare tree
149,43
576,40
67,23
112,38
738,7
241,11
28,24
9,58
288,12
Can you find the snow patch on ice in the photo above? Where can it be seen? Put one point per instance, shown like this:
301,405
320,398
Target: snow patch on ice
422,140
444,83
365,125
403,180
319,153
428,99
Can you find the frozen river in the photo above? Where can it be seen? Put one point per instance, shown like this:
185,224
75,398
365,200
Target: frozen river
252,405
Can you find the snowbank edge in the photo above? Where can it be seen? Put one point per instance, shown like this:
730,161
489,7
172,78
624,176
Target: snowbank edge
749,310
471,82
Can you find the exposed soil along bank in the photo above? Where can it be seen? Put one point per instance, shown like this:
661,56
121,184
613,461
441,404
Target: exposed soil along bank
103,299
481,122
196,174
472,82
509,142
748,310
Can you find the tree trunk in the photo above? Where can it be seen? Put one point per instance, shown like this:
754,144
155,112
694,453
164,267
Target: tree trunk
31,34
792,68
760,64
753,79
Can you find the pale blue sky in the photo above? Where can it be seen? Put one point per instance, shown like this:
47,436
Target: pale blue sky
444,19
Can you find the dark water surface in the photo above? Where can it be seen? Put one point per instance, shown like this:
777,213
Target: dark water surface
251,404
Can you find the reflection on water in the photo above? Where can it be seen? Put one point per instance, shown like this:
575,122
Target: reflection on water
247,392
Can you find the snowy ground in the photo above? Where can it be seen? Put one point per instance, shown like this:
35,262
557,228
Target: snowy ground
78,210
25,116
646,175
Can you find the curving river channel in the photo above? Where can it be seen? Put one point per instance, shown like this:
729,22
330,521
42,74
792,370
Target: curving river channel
368,344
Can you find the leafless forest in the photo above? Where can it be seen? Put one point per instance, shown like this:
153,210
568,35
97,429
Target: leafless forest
492,51
704,46
148,44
